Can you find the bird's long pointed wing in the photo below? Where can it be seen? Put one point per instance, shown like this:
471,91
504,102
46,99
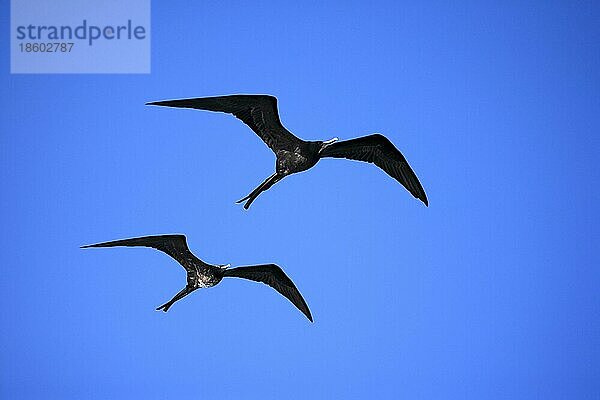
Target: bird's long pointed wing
273,276
379,150
173,245
259,112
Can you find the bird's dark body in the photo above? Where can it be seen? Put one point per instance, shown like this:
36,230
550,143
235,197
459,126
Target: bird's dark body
200,275
299,158
295,155
203,275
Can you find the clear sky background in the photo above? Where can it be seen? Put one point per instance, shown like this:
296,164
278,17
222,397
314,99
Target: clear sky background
490,293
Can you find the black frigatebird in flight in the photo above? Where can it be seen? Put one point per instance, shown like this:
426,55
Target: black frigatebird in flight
203,275
260,113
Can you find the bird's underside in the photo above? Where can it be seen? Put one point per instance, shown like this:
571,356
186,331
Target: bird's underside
294,155
203,275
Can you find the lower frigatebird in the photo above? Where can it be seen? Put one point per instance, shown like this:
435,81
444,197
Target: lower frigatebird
293,154
204,275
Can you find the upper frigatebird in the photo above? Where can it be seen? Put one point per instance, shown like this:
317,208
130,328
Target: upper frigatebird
204,275
260,113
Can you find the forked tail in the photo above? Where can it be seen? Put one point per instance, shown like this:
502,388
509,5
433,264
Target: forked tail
266,185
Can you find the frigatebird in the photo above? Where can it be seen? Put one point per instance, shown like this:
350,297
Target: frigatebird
203,275
294,155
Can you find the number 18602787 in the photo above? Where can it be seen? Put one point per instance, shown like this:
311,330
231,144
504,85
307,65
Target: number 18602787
50,47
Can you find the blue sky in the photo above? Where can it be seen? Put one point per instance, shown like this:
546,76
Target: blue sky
491,292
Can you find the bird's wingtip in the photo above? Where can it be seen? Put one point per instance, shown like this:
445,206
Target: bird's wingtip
170,103
308,314
87,246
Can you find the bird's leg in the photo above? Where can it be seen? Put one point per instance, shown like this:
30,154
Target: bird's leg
270,181
182,293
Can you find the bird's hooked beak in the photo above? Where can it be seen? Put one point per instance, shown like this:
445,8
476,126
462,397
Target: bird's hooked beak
329,142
